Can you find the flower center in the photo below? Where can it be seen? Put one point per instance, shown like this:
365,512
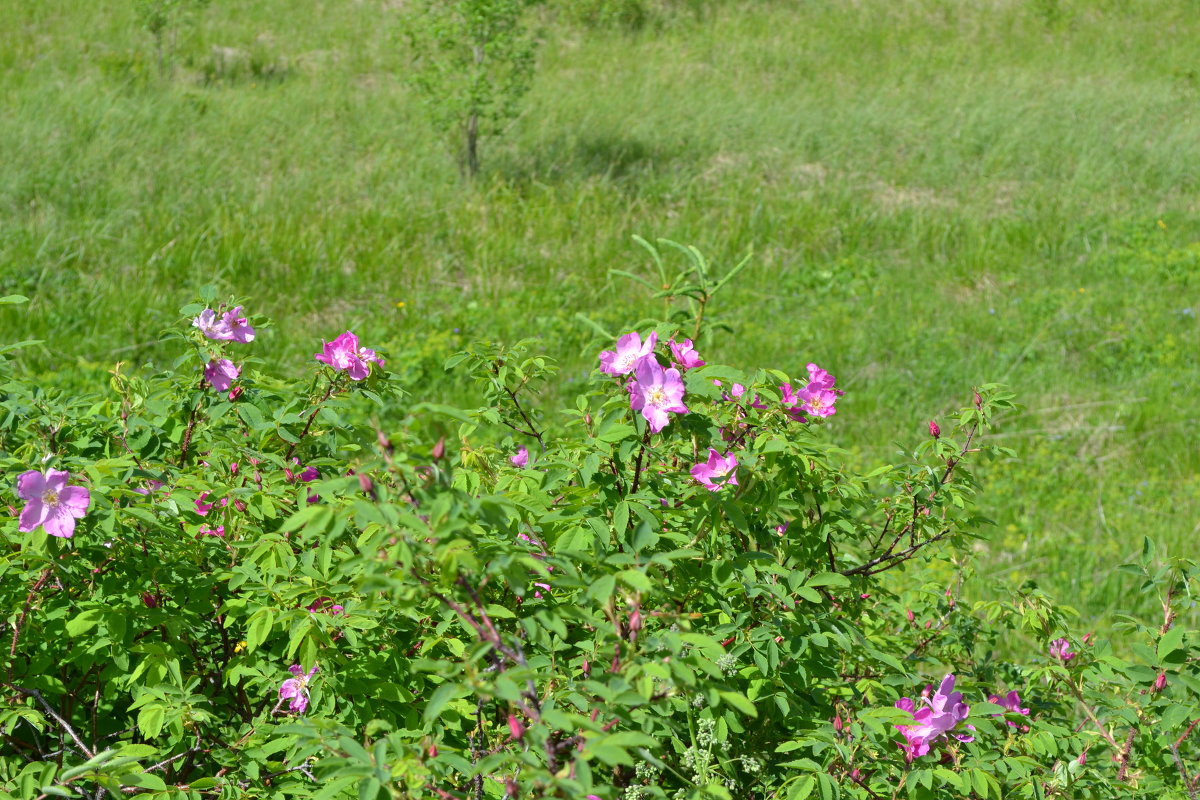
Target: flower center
50,497
656,396
816,403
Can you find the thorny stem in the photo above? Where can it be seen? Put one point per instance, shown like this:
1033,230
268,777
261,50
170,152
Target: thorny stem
37,586
191,425
308,424
1174,748
890,558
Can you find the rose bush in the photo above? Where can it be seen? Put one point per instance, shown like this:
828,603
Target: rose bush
219,583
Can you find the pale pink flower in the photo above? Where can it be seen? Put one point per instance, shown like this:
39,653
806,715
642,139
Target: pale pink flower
343,353
50,502
221,373
630,350
656,392
685,355
718,471
296,689
237,326
212,327
521,459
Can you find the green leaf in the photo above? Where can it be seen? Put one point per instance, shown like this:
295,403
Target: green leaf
150,720
739,701
441,696
1171,641
84,621
259,628
828,579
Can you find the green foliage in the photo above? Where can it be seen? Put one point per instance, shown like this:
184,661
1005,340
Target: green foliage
472,62
160,19
592,623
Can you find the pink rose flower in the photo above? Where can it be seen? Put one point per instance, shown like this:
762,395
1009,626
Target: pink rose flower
212,327
1010,702
1061,649
685,355
630,350
327,605
343,353
231,326
221,373
939,716
296,689
521,459
718,471
237,326
50,502
655,392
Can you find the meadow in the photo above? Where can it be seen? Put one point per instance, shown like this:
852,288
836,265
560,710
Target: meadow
937,194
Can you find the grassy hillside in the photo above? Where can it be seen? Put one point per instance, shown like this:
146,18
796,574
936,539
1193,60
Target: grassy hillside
938,194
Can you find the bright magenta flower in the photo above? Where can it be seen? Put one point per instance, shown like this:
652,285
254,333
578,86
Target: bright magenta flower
50,502
939,715
655,392
685,355
343,353
818,402
326,604
218,531
296,689
221,373
1011,702
521,459
630,350
718,471
820,379
1061,649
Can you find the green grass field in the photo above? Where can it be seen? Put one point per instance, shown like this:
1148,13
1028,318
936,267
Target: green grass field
938,193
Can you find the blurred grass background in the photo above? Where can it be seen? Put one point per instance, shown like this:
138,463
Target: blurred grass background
938,193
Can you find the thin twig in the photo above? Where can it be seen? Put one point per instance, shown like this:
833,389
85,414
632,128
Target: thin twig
35,694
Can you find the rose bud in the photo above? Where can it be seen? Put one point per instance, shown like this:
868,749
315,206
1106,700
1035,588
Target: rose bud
934,430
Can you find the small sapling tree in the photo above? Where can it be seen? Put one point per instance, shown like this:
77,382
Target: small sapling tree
473,60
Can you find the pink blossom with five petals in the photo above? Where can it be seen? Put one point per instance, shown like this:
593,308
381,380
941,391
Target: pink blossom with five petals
630,350
717,471
296,689
685,354
50,502
221,373
655,392
343,353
